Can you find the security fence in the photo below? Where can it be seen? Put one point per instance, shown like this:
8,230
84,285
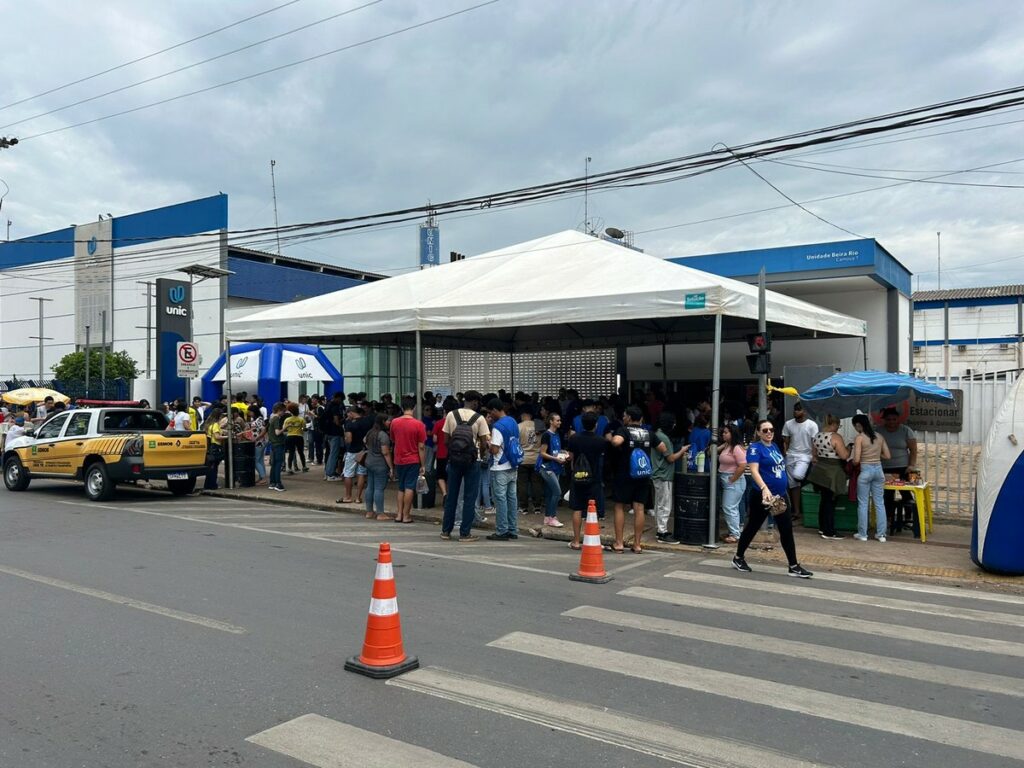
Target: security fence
950,439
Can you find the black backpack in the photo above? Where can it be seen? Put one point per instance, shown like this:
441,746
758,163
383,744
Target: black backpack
462,442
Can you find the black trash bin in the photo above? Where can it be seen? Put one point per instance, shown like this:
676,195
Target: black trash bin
692,508
243,464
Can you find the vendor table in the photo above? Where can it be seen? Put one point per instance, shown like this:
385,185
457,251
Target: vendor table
922,499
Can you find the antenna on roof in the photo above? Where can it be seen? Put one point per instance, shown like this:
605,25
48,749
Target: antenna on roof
273,189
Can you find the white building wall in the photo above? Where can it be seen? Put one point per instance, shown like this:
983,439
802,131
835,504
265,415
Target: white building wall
966,326
55,279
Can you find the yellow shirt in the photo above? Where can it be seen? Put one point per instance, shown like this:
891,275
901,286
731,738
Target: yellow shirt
294,426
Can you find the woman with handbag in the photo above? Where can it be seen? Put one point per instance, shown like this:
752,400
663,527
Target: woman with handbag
768,473
828,474
376,457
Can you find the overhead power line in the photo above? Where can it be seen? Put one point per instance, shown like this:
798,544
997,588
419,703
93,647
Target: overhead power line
178,70
149,55
261,73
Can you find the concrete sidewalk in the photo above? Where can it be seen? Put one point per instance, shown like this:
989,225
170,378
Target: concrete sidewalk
946,554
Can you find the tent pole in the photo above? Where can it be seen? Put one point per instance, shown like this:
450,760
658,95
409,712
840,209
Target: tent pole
716,382
762,327
229,477
418,498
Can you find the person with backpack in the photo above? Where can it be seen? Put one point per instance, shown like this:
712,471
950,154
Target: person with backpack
506,456
467,437
633,471
586,449
550,461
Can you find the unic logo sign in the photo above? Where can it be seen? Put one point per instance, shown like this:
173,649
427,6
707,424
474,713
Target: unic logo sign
300,363
240,362
176,295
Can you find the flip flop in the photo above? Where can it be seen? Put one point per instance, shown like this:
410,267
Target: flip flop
616,550
638,551
575,546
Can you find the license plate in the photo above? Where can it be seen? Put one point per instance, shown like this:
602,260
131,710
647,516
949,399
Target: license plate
177,475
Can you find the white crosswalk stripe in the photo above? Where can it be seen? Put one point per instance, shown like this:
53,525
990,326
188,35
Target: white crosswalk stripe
949,731
596,723
748,581
829,621
870,581
327,743
913,670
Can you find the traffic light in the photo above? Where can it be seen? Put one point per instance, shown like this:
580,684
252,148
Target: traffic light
759,360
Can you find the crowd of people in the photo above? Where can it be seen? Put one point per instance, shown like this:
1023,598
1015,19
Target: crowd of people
517,454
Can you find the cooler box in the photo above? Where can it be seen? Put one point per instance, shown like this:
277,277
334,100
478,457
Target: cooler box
846,511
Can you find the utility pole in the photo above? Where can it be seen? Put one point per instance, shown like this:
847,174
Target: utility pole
938,255
88,354
103,352
148,326
273,189
41,338
586,196
9,222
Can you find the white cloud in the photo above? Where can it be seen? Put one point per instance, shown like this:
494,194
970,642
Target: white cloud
520,93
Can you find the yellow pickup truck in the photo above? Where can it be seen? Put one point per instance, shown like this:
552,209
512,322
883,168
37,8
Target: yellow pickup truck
102,447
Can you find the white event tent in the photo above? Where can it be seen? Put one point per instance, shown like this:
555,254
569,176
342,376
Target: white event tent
568,290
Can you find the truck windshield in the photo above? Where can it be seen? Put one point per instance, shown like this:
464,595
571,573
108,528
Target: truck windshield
133,420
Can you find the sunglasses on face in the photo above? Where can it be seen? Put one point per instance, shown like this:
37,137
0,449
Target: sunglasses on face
768,431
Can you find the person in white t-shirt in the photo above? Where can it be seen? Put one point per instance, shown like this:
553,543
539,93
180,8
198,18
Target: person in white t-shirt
181,421
797,435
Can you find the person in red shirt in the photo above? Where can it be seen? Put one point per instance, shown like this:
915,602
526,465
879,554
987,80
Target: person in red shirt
409,436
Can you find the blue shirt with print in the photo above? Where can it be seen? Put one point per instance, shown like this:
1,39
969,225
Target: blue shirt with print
771,465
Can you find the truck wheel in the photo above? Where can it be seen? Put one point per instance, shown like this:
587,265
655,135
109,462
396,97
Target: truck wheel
181,487
98,486
15,475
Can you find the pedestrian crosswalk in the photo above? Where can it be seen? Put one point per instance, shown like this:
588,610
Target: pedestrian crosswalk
952,696
354,530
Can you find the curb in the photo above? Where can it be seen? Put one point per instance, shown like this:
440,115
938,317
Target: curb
762,554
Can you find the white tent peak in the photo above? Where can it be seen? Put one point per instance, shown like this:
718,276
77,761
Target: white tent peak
569,285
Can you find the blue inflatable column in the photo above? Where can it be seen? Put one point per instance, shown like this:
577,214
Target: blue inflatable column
269,384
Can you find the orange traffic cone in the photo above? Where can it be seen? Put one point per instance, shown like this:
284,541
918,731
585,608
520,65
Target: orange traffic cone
592,555
383,655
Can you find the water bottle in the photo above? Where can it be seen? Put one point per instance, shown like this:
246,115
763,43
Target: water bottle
700,461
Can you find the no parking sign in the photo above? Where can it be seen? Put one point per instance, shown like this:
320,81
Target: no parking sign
188,360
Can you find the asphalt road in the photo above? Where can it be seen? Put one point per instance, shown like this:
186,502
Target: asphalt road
153,631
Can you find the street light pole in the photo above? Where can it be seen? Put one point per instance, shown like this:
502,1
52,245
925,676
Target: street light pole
148,326
41,338
88,354
103,352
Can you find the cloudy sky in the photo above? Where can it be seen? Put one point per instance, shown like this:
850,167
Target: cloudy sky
517,93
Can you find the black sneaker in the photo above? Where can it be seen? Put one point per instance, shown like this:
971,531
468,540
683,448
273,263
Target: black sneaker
665,537
741,565
446,536
513,536
498,537
799,571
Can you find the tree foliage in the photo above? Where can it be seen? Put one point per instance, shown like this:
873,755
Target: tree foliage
71,367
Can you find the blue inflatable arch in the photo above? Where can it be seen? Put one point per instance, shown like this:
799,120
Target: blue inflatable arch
269,384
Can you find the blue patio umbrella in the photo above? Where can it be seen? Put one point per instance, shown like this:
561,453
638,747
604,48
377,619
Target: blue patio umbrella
844,394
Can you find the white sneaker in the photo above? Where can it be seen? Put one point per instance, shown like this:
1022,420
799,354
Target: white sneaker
881,539
858,537
553,522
